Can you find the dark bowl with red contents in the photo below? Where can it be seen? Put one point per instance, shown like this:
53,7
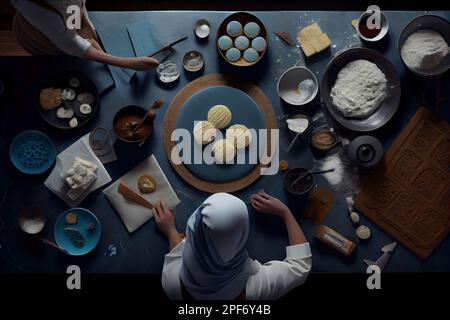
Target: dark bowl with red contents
299,181
372,26
126,120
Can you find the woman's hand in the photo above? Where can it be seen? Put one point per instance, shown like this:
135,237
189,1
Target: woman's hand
164,218
141,63
265,203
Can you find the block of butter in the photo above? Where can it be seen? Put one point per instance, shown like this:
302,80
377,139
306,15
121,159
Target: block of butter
312,39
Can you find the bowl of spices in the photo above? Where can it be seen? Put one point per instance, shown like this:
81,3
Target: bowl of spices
372,26
298,181
297,86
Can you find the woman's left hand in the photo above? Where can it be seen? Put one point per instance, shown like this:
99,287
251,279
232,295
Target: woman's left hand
164,218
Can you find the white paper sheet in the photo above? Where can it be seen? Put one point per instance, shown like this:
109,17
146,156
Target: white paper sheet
56,182
133,215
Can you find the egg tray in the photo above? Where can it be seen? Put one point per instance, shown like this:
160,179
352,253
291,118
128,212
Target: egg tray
408,193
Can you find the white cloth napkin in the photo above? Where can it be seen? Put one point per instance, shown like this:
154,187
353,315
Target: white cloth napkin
56,182
133,215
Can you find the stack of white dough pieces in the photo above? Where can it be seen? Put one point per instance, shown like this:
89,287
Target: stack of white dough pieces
237,136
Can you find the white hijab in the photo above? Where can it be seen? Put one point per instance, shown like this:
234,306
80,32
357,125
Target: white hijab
215,262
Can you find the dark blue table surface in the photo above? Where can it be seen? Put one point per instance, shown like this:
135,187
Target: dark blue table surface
143,251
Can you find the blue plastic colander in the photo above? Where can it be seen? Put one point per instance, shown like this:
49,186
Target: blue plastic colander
32,152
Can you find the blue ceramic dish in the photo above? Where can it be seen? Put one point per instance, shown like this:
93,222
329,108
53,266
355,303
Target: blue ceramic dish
84,219
32,152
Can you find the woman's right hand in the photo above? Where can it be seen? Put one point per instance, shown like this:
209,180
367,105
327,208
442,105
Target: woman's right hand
265,203
164,218
142,63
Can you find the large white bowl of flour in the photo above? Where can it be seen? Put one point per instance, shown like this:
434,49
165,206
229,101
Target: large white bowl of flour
360,89
424,45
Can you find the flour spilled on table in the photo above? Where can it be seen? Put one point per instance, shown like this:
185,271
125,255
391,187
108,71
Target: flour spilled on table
345,178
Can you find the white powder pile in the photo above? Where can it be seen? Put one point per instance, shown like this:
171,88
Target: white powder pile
359,89
424,50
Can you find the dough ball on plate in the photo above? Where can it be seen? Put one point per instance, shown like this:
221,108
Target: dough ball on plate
224,151
251,29
241,42
251,55
239,135
259,44
233,54
204,132
234,29
219,116
225,42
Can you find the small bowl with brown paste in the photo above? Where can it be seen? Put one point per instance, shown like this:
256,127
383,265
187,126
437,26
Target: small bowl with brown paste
126,120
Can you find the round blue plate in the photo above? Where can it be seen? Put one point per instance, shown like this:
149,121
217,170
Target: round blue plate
32,152
244,111
91,237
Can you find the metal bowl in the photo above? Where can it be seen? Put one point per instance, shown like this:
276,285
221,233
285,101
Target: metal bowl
384,27
431,22
387,108
288,85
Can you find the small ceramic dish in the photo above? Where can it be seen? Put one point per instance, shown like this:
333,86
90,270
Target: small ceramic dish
202,28
32,220
193,61
377,35
87,227
297,86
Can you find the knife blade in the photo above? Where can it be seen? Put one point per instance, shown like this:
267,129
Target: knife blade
168,45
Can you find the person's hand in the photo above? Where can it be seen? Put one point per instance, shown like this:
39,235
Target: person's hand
164,218
264,203
142,63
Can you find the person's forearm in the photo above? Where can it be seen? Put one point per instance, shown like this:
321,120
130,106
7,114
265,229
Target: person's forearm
294,231
174,239
103,57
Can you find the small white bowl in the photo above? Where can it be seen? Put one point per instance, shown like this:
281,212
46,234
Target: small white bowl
288,85
202,28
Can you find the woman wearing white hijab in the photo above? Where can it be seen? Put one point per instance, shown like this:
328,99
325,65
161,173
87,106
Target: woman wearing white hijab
212,262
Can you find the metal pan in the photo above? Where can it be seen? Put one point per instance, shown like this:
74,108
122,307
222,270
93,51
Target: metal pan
387,108
435,23
61,80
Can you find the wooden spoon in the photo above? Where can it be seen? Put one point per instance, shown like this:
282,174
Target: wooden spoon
150,113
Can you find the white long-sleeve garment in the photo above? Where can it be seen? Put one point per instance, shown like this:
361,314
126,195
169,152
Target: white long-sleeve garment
53,27
269,281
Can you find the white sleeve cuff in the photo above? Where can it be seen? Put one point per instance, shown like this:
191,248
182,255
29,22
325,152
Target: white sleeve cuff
178,250
298,251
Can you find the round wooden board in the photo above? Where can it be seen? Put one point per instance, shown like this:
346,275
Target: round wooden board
178,102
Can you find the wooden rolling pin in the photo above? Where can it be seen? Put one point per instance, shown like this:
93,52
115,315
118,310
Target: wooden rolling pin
132,196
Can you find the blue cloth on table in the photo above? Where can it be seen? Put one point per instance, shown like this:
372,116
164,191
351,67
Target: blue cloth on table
146,37
114,43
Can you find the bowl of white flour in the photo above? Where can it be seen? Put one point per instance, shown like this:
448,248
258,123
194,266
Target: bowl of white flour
424,45
360,89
